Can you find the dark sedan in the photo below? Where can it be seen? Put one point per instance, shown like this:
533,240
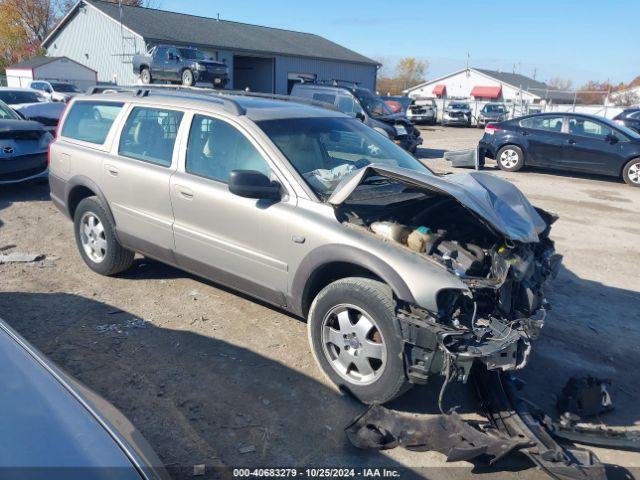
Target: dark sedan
630,118
54,428
565,141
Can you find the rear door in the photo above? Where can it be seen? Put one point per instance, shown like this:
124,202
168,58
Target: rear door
159,63
593,146
172,65
135,179
241,242
546,139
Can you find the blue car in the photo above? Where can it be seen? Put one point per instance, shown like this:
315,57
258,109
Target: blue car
24,145
565,141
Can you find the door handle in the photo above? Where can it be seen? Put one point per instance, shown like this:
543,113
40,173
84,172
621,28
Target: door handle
524,133
184,192
571,141
111,170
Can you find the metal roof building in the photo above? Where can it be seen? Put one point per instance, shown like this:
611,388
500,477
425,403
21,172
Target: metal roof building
104,37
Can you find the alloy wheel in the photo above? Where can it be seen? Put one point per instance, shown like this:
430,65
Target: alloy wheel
92,237
634,173
353,344
509,158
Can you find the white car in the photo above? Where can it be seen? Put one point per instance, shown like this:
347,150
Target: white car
423,111
55,91
32,105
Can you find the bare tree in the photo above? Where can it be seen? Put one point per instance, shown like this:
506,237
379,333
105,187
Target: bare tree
560,83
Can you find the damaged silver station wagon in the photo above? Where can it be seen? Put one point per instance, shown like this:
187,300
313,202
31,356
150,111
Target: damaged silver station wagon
401,273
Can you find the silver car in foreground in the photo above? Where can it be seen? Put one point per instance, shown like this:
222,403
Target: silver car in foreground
401,273
54,428
23,148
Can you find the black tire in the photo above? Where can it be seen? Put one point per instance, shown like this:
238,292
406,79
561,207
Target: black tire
145,76
116,258
513,161
376,299
188,79
631,172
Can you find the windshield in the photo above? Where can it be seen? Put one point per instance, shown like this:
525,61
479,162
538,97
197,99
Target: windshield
7,114
14,97
324,151
493,109
192,54
459,106
373,105
65,87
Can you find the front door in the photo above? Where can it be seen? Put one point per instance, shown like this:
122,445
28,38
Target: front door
593,147
241,242
136,180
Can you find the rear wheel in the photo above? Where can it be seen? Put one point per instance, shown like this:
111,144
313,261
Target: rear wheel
145,76
96,239
356,339
510,158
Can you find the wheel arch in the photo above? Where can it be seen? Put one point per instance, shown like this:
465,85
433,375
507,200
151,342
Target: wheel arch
508,143
81,187
627,162
142,67
329,263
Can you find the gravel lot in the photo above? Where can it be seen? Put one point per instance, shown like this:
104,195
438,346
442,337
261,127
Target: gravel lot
211,377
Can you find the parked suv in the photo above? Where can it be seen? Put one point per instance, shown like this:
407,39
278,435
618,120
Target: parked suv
55,91
180,65
401,273
363,104
492,112
423,110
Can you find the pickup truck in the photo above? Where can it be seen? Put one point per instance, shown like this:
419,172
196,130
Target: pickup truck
186,65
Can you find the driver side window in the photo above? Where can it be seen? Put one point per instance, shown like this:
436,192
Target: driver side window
216,148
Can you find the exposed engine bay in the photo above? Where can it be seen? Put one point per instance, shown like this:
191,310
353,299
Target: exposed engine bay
504,306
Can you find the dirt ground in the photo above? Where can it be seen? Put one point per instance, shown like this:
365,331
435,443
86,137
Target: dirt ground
212,377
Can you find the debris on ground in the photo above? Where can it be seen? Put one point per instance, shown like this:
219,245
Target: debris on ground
20,257
247,449
121,327
585,397
199,470
383,429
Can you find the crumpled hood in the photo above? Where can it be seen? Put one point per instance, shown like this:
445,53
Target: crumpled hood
394,118
498,202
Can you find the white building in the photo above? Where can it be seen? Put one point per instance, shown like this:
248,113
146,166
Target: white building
53,69
489,85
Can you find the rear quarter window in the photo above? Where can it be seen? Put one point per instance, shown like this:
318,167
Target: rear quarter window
325,97
90,121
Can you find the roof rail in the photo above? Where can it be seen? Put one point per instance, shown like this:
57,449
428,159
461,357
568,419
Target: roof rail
229,104
337,81
276,96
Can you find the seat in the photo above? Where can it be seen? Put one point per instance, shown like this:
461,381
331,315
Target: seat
148,140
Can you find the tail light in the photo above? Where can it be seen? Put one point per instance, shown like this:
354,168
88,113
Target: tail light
491,128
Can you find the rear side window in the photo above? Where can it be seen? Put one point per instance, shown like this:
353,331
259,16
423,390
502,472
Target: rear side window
90,121
150,135
346,105
325,97
551,124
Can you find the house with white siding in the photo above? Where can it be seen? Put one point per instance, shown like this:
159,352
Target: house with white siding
104,36
489,85
52,69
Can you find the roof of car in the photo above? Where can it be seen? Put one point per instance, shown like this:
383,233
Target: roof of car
255,108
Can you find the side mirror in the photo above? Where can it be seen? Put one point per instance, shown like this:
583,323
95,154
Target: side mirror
253,184
360,116
612,139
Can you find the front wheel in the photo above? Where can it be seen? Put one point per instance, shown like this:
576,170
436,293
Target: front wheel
187,78
356,339
631,173
510,158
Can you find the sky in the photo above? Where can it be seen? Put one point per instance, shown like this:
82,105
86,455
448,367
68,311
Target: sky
577,40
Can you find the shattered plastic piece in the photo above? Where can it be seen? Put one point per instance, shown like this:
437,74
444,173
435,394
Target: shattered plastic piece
384,429
597,436
20,257
247,449
510,414
585,397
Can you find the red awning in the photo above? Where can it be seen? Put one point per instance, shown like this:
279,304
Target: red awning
439,89
486,92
